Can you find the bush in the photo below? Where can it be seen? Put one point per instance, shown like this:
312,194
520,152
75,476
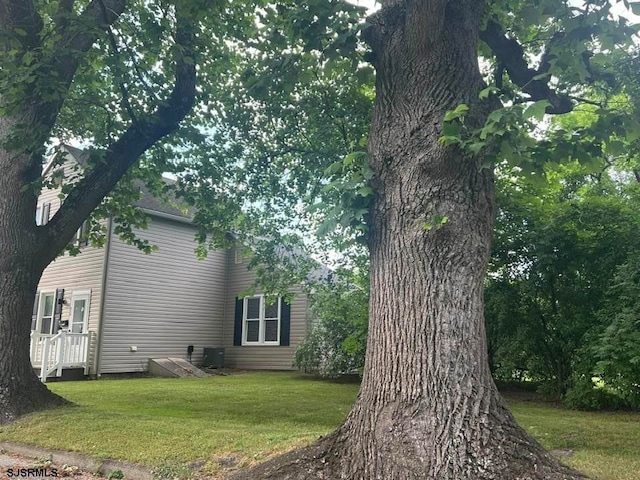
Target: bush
323,351
336,344
585,395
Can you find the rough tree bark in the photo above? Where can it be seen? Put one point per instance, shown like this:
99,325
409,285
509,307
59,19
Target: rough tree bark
25,127
20,389
428,407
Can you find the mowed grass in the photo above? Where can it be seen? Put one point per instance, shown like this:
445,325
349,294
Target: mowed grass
153,421
250,416
605,445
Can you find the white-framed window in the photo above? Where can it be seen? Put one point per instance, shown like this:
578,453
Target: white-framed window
46,311
239,258
42,214
261,321
82,235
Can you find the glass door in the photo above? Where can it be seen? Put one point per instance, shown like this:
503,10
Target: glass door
79,317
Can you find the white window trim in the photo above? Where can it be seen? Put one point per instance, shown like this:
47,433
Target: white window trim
81,238
261,331
79,295
43,211
41,311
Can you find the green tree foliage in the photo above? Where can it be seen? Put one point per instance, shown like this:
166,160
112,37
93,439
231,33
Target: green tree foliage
562,231
294,101
72,69
617,349
336,344
555,253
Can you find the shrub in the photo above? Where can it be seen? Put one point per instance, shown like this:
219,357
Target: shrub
585,395
336,343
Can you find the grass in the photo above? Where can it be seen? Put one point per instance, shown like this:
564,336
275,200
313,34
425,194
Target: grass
240,419
606,445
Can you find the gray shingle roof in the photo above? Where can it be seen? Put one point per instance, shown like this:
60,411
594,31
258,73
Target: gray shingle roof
171,206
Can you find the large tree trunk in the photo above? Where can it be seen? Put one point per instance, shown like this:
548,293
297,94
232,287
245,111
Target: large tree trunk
428,407
21,391
20,270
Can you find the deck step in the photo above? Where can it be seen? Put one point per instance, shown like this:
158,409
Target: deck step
173,367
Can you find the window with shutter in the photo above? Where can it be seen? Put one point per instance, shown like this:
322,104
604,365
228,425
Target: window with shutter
42,214
261,319
82,235
46,312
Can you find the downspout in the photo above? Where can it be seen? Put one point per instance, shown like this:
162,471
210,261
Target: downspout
103,294
227,269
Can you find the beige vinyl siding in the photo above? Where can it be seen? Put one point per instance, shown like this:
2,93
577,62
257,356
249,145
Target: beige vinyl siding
71,175
80,273
162,302
272,357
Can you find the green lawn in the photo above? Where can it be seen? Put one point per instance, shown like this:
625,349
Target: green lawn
246,417
606,445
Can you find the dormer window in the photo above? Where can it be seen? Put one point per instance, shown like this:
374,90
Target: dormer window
82,235
42,214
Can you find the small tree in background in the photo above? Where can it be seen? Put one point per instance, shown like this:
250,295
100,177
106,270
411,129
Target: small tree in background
617,350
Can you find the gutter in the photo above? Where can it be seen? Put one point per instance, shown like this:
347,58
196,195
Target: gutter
168,216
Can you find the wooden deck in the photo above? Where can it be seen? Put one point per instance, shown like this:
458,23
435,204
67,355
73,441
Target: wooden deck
51,354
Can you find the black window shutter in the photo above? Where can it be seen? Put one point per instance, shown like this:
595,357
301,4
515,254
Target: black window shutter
237,328
34,314
285,324
57,309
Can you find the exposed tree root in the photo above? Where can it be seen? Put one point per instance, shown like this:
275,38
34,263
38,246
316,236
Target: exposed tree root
341,455
24,398
324,460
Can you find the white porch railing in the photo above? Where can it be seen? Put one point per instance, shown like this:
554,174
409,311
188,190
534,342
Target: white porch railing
53,353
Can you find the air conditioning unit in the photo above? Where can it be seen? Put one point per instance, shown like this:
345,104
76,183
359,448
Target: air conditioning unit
213,357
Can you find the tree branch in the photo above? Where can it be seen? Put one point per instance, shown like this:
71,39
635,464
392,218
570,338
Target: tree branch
511,54
65,11
77,35
23,15
66,6
87,194
94,20
119,76
585,101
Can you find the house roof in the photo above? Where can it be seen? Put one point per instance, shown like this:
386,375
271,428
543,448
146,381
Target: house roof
319,272
147,201
163,208
79,155
154,204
